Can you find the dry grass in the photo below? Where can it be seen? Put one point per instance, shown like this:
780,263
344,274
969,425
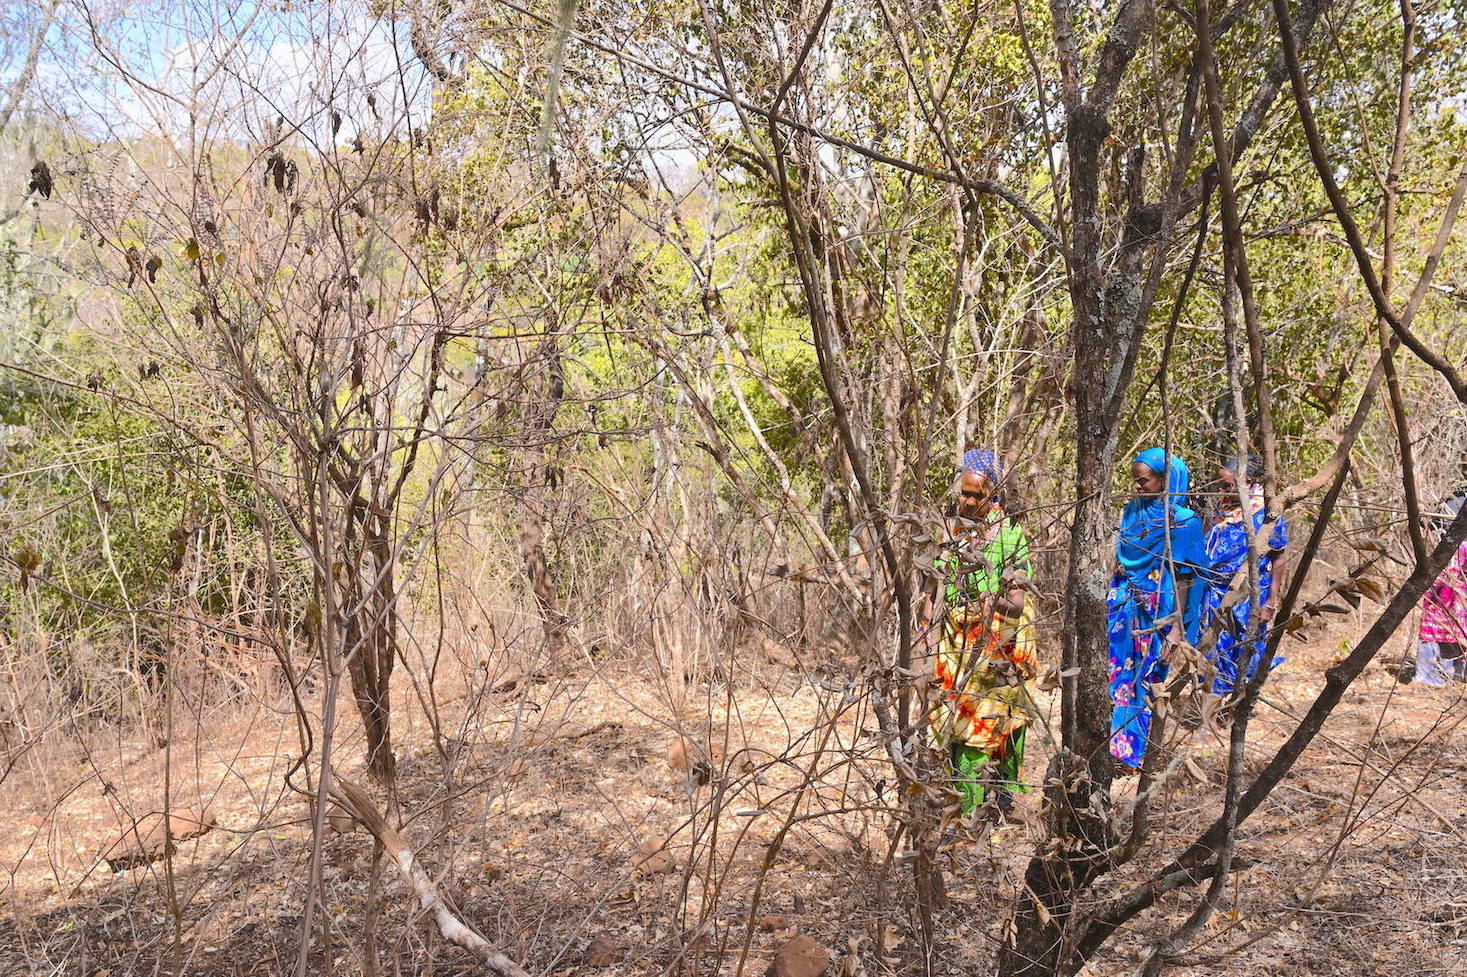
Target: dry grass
540,836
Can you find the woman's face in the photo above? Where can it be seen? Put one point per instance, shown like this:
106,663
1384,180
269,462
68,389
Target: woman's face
975,495
1147,483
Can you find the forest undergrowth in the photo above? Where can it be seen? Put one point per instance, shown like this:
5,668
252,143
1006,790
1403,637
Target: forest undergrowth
594,828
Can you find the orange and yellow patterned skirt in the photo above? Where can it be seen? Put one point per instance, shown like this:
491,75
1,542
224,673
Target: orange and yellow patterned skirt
985,667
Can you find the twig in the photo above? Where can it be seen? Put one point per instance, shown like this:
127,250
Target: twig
355,802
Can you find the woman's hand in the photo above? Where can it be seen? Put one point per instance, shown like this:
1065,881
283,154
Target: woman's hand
1007,607
1011,605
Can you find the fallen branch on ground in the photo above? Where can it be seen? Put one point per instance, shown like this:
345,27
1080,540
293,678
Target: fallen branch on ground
355,801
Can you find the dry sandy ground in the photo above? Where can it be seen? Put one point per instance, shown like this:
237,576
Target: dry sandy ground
540,826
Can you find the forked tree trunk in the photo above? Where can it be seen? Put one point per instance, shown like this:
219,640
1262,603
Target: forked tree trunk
370,683
1077,792
370,634
367,603
1110,294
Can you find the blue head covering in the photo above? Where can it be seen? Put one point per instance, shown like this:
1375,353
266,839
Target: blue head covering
981,461
1178,476
1144,523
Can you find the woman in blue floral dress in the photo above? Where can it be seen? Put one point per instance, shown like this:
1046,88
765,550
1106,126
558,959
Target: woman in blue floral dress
1227,553
1159,553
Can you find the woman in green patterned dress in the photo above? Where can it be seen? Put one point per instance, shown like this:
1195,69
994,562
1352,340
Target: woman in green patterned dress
986,658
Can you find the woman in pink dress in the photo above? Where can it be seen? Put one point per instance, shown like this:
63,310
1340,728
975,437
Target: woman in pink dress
1440,658
1441,652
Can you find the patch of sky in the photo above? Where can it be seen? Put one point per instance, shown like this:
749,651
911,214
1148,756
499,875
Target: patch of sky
321,71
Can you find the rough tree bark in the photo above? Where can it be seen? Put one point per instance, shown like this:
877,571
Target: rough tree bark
1106,307
370,631
540,479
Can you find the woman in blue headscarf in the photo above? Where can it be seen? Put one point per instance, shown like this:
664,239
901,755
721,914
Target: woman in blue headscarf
1159,552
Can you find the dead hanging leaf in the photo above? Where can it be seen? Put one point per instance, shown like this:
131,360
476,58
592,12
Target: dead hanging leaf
28,559
1196,772
1212,707
1371,588
1044,917
282,172
428,208
850,961
889,941
154,263
1161,700
134,259
41,179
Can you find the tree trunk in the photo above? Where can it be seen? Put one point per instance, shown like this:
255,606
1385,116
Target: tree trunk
532,528
371,650
1077,792
370,636
537,572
